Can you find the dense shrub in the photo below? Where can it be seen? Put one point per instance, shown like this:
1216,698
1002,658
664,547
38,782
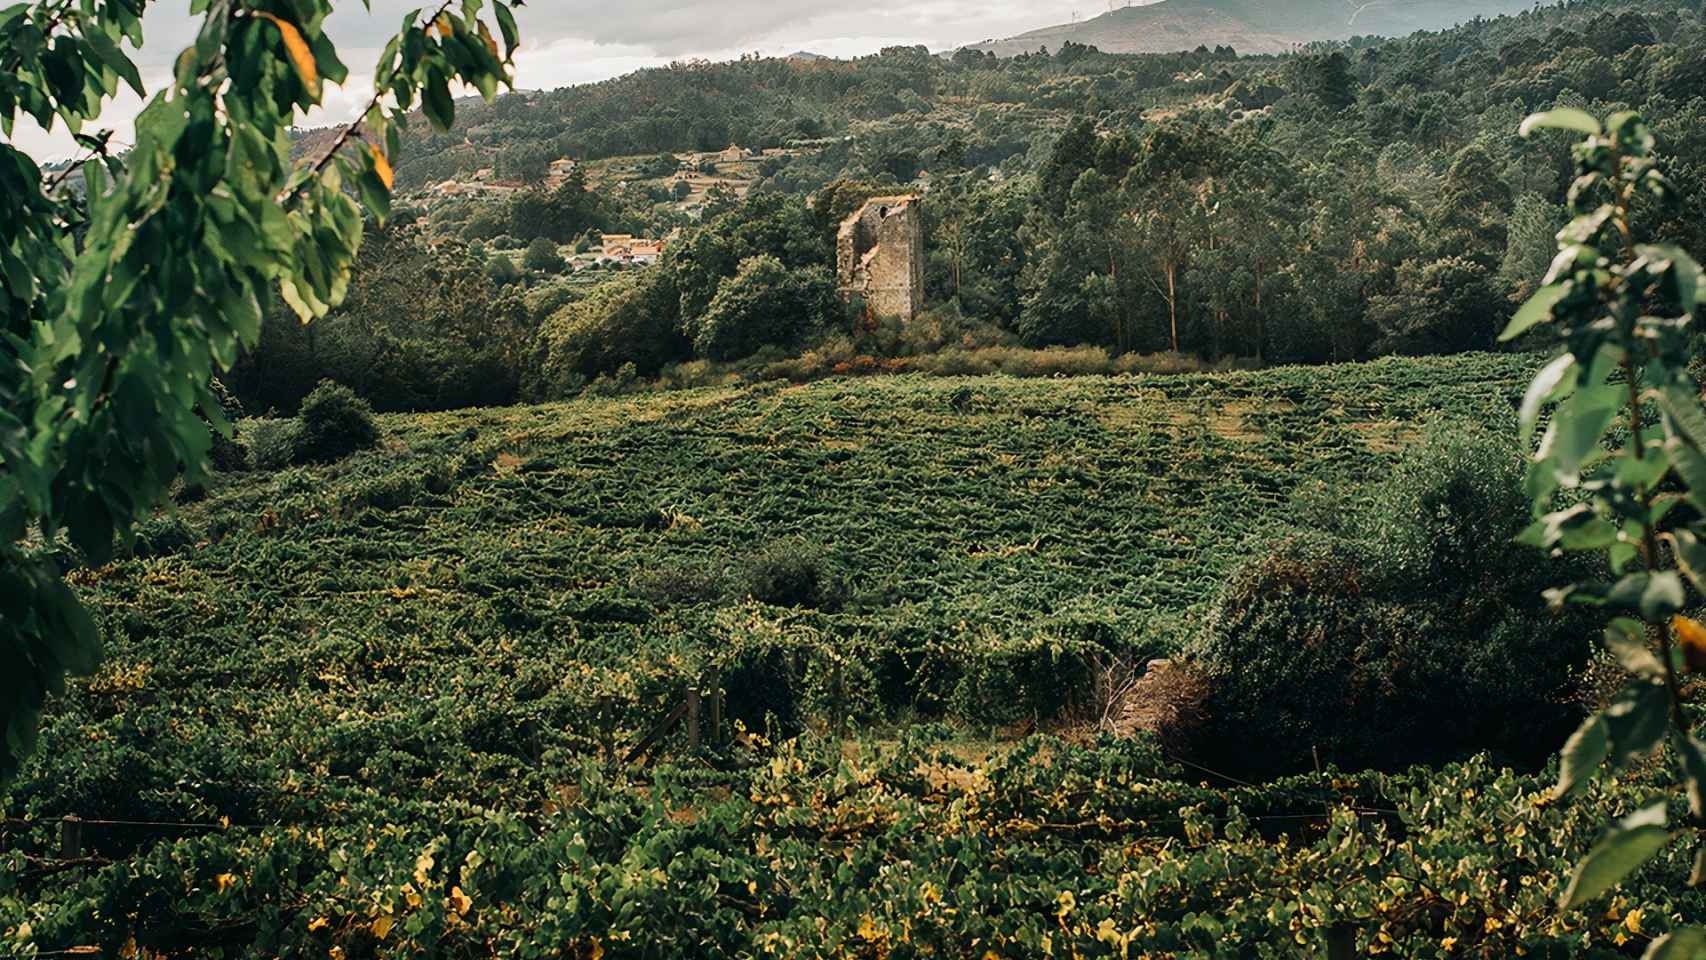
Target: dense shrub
273,443
764,304
793,573
1022,680
631,320
335,423
683,584
1414,631
422,329
542,257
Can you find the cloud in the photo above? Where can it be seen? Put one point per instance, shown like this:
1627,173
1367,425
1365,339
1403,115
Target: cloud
568,42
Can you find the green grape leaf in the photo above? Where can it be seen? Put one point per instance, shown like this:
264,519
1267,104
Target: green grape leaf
1536,311
1550,385
1635,840
1584,753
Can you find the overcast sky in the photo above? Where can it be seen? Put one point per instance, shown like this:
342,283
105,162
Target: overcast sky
576,41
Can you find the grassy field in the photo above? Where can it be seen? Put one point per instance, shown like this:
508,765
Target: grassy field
462,630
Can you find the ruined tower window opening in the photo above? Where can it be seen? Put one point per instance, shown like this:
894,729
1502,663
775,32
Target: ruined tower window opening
880,258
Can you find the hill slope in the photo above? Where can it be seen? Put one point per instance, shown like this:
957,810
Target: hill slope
378,708
1251,26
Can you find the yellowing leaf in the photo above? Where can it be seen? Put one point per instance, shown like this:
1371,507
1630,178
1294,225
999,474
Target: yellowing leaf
382,926
301,57
1692,637
423,863
317,924
443,26
491,44
461,901
226,881
382,167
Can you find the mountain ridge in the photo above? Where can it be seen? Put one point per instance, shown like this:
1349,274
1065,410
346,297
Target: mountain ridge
1249,26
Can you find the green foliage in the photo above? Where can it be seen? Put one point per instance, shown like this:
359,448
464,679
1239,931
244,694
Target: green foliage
1442,306
502,271
123,300
542,257
1411,631
422,329
629,320
1624,313
1327,78
275,444
335,423
764,303
227,453
791,573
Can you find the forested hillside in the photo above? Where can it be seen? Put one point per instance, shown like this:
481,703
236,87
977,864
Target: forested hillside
1340,204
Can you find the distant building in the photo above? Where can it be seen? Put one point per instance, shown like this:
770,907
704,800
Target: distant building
733,154
879,253
627,249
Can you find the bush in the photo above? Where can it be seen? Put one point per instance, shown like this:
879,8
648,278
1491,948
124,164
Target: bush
501,270
335,423
1022,680
683,585
627,321
792,573
764,304
273,443
1414,632
542,257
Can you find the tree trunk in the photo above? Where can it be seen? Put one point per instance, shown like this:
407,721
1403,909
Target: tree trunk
1173,302
1261,321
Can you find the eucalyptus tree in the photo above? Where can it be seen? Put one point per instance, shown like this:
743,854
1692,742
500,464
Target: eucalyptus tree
127,282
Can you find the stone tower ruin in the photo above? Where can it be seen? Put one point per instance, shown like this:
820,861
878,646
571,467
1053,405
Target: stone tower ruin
879,256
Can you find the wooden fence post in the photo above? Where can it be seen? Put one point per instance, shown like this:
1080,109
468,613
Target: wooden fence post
534,742
1342,941
71,837
607,726
693,717
716,708
839,693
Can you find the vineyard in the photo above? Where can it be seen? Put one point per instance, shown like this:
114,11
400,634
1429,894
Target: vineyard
414,703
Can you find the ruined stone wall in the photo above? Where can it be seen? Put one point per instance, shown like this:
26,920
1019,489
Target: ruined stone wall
880,257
